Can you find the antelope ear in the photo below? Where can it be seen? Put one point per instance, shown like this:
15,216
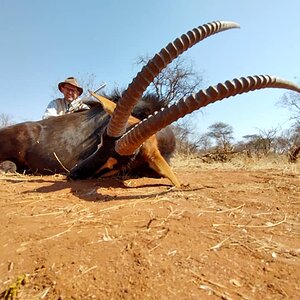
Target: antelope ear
109,106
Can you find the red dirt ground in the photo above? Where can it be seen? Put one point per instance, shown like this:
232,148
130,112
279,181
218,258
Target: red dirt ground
230,233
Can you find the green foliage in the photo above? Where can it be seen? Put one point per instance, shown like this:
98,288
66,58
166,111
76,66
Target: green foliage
11,292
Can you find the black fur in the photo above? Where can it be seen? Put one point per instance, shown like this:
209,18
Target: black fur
59,143
44,146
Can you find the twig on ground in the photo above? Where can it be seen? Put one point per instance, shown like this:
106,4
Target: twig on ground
253,226
88,270
50,237
222,295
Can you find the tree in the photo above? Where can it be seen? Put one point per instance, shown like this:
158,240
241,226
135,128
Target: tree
183,144
222,134
293,154
177,80
262,143
268,138
5,120
204,142
293,137
88,82
281,144
287,140
295,134
188,143
291,101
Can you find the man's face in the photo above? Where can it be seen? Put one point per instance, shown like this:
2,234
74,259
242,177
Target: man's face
70,92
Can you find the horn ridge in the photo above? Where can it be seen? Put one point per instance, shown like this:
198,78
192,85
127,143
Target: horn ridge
130,141
117,124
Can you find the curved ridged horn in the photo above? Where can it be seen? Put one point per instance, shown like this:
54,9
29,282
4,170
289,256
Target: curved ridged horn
128,143
117,124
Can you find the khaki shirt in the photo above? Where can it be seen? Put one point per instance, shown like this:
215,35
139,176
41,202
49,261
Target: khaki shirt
60,106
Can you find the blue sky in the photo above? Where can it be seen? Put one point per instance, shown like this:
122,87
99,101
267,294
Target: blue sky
43,42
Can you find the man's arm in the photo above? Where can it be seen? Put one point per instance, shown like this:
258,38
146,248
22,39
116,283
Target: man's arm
53,109
78,104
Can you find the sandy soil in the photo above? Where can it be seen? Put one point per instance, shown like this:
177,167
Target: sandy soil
230,233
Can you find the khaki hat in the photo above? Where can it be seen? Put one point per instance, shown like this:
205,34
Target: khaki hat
72,81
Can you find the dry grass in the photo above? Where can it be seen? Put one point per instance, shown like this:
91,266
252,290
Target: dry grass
238,162
231,234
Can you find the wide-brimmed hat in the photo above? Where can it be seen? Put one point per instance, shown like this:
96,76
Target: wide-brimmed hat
72,81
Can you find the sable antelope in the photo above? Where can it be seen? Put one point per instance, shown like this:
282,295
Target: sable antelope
101,142
120,144
56,144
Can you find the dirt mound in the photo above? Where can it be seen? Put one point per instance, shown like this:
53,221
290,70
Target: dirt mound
228,234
